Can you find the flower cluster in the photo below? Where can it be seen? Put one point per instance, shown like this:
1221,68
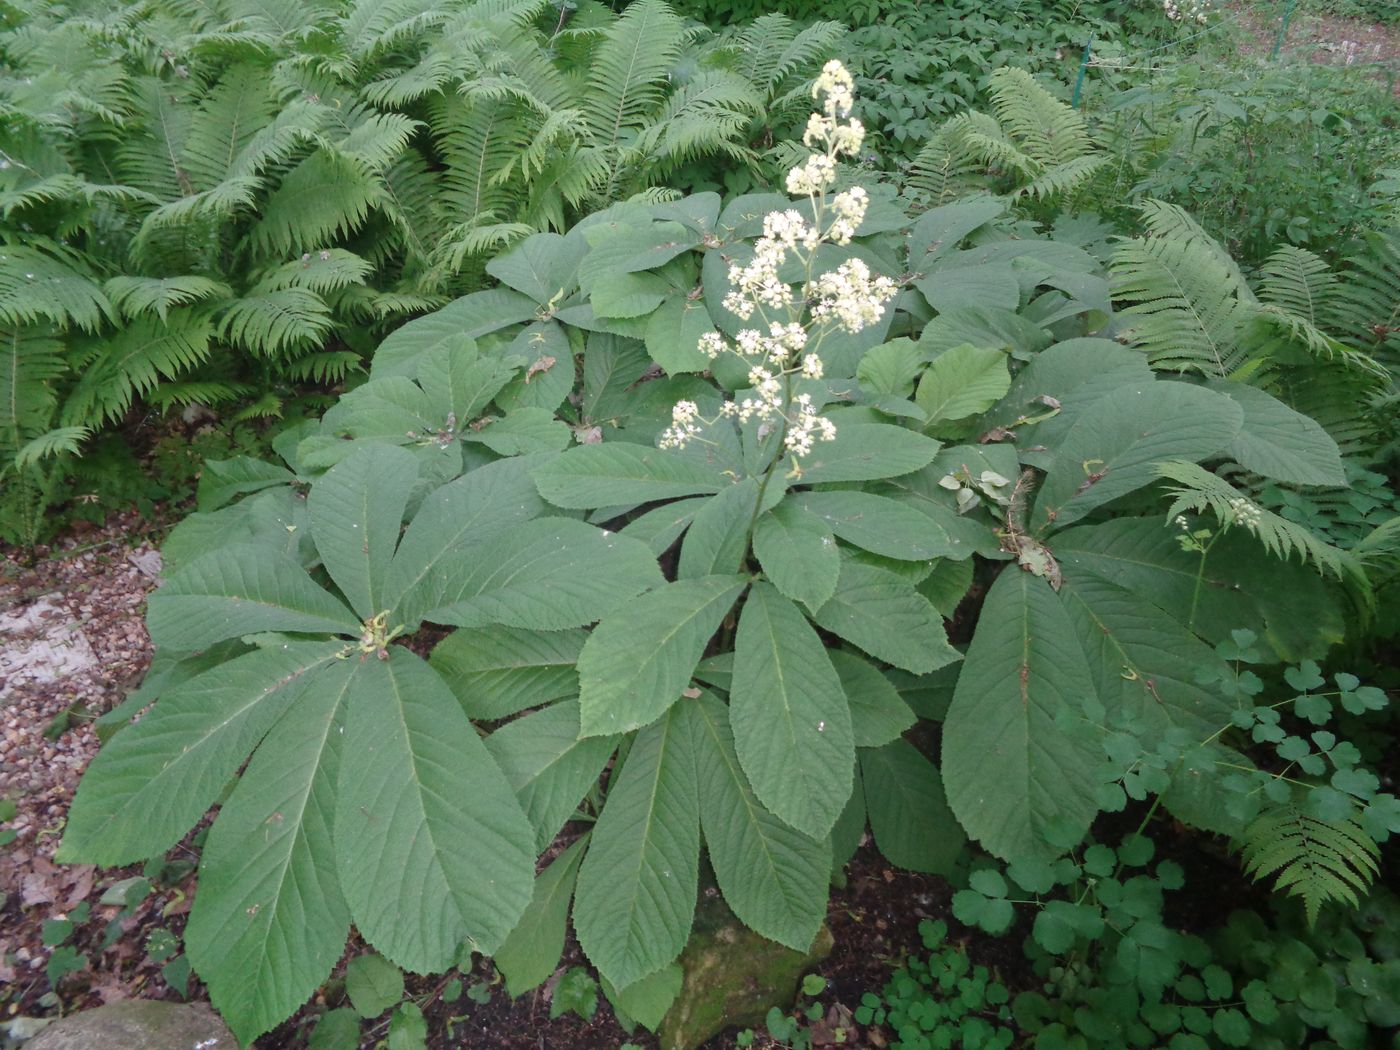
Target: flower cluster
1197,11
1243,512
792,314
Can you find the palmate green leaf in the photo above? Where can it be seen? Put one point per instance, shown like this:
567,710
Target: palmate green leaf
792,725
866,452
961,382
878,524
1014,759
241,589
1238,589
473,316
1144,663
636,893
356,509
482,504
550,767
909,816
223,480
523,432
147,787
529,956
883,614
717,539
617,473
638,660
269,921
549,574
431,845
673,335
498,671
798,553
1277,442
878,713
772,876
1114,448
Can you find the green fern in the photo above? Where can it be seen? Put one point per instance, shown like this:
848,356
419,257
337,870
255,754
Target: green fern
1197,489
1035,146
1319,861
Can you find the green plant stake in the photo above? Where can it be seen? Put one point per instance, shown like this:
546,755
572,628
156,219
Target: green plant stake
1083,68
1282,30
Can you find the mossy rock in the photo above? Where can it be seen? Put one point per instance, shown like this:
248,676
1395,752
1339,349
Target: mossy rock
137,1024
733,977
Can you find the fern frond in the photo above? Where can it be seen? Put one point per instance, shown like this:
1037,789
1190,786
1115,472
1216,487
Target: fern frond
226,123
1317,860
272,322
29,362
1182,310
629,72
57,442
330,366
135,296
198,392
1297,282
130,363
772,48
322,199
1047,129
46,283
1197,489
1061,179
328,270
1172,222
1367,306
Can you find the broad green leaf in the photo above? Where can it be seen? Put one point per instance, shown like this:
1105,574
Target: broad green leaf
638,660
956,287
1017,755
408,1028
909,816
889,370
883,614
337,1029
541,266
431,846
239,590
947,585
772,876
798,553
530,955
146,788
850,827
223,480
717,539
661,527
269,922
616,473
878,713
647,1001
673,335
867,451
546,377
471,316
940,230
879,524
635,900
458,385
628,294
990,327
547,575
1238,588
356,511
498,671
373,984
1279,443
792,726
1112,449
962,382
548,765
483,504
1145,664
523,432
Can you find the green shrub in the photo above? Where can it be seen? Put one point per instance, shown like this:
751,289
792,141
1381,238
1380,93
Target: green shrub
766,446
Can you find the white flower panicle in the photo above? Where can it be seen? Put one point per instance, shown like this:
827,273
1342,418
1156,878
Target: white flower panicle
851,296
1245,513
795,316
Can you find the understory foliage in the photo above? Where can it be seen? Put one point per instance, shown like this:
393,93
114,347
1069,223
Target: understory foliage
218,204
694,491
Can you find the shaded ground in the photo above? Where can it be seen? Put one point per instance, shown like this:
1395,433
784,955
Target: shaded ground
1322,38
